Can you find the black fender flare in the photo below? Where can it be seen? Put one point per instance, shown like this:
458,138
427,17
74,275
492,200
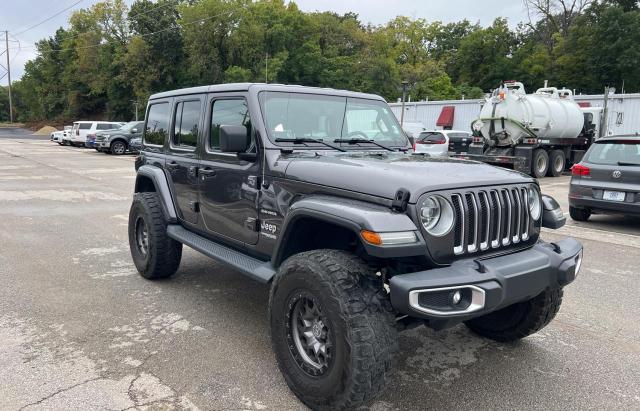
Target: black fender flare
353,215
159,180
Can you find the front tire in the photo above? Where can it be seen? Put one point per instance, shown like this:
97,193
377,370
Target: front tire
118,148
332,329
519,320
579,214
154,253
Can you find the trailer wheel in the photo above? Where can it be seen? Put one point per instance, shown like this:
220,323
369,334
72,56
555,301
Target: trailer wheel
540,163
557,163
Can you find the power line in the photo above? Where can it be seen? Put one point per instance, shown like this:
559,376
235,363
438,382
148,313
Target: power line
48,18
129,17
141,35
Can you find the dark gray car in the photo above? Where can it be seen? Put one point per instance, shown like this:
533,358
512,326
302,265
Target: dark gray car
607,180
117,141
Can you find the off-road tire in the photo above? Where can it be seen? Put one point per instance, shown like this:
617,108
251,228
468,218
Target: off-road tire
557,163
519,320
579,214
359,314
118,148
163,255
538,159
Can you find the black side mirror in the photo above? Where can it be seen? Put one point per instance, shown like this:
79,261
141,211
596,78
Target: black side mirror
233,139
552,215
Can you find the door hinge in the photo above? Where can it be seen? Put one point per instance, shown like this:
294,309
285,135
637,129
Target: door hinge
194,206
252,224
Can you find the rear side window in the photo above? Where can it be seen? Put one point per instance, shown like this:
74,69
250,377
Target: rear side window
612,153
228,113
103,126
157,124
187,120
85,126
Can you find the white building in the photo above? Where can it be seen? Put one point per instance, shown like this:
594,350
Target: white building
623,112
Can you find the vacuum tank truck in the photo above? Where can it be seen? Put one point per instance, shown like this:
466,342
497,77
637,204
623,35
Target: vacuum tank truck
538,134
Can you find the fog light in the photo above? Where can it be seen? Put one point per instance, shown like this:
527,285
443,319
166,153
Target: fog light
457,296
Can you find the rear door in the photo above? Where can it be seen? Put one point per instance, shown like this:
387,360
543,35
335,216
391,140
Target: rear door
229,186
181,156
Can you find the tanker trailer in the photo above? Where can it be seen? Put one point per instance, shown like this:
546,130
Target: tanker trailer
538,134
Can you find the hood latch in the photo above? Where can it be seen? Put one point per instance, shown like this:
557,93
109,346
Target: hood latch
401,200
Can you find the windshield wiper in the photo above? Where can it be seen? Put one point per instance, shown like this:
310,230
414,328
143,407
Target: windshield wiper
361,140
625,163
302,140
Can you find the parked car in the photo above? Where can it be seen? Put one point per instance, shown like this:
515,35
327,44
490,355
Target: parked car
135,145
607,180
117,141
58,136
459,141
286,185
81,129
412,129
434,143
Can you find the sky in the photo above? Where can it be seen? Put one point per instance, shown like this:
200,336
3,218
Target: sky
19,16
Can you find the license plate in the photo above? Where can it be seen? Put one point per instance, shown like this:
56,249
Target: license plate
613,195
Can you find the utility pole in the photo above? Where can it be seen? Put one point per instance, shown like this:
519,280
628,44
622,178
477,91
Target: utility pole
604,122
6,42
135,104
266,68
404,98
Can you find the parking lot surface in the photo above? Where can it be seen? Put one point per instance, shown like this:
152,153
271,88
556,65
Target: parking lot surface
80,329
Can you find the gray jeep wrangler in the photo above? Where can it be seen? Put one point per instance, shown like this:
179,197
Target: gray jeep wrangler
316,192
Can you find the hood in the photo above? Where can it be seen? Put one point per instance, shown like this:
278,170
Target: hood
382,174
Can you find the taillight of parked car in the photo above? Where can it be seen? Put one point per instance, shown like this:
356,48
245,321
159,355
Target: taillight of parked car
580,170
77,132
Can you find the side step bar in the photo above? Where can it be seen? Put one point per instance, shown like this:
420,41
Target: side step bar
258,270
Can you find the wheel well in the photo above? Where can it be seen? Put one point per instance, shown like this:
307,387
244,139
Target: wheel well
313,234
119,139
144,185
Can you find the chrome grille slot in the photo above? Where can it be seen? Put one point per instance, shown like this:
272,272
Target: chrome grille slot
491,218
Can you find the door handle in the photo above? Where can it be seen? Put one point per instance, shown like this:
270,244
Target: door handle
172,164
207,172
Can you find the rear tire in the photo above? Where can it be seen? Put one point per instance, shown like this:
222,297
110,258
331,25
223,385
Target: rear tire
332,298
519,320
154,253
539,163
557,162
579,214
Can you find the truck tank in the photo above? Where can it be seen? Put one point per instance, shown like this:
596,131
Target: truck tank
510,115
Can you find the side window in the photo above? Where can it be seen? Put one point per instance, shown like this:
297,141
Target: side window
103,126
228,113
185,133
85,126
157,124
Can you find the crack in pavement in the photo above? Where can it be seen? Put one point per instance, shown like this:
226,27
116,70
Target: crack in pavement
60,391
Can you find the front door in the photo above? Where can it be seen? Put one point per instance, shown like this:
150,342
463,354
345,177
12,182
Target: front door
228,185
181,160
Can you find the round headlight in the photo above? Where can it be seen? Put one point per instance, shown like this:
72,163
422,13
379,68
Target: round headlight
436,215
535,206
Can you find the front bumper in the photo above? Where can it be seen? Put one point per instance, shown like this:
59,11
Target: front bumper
488,284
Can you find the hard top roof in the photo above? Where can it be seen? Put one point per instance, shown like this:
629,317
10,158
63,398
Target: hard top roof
619,137
217,88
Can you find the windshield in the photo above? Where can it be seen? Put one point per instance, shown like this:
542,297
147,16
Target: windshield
614,152
327,118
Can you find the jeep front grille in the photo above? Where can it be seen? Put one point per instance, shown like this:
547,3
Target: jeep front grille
491,218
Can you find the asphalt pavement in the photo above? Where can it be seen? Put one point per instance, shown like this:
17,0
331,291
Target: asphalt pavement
80,329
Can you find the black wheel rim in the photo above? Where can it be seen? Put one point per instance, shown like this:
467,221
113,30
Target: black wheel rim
118,148
310,337
142,236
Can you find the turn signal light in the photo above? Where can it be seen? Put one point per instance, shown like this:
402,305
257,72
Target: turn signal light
580,170
371,237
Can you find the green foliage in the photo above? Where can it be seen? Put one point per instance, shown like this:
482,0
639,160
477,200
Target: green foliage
112,55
